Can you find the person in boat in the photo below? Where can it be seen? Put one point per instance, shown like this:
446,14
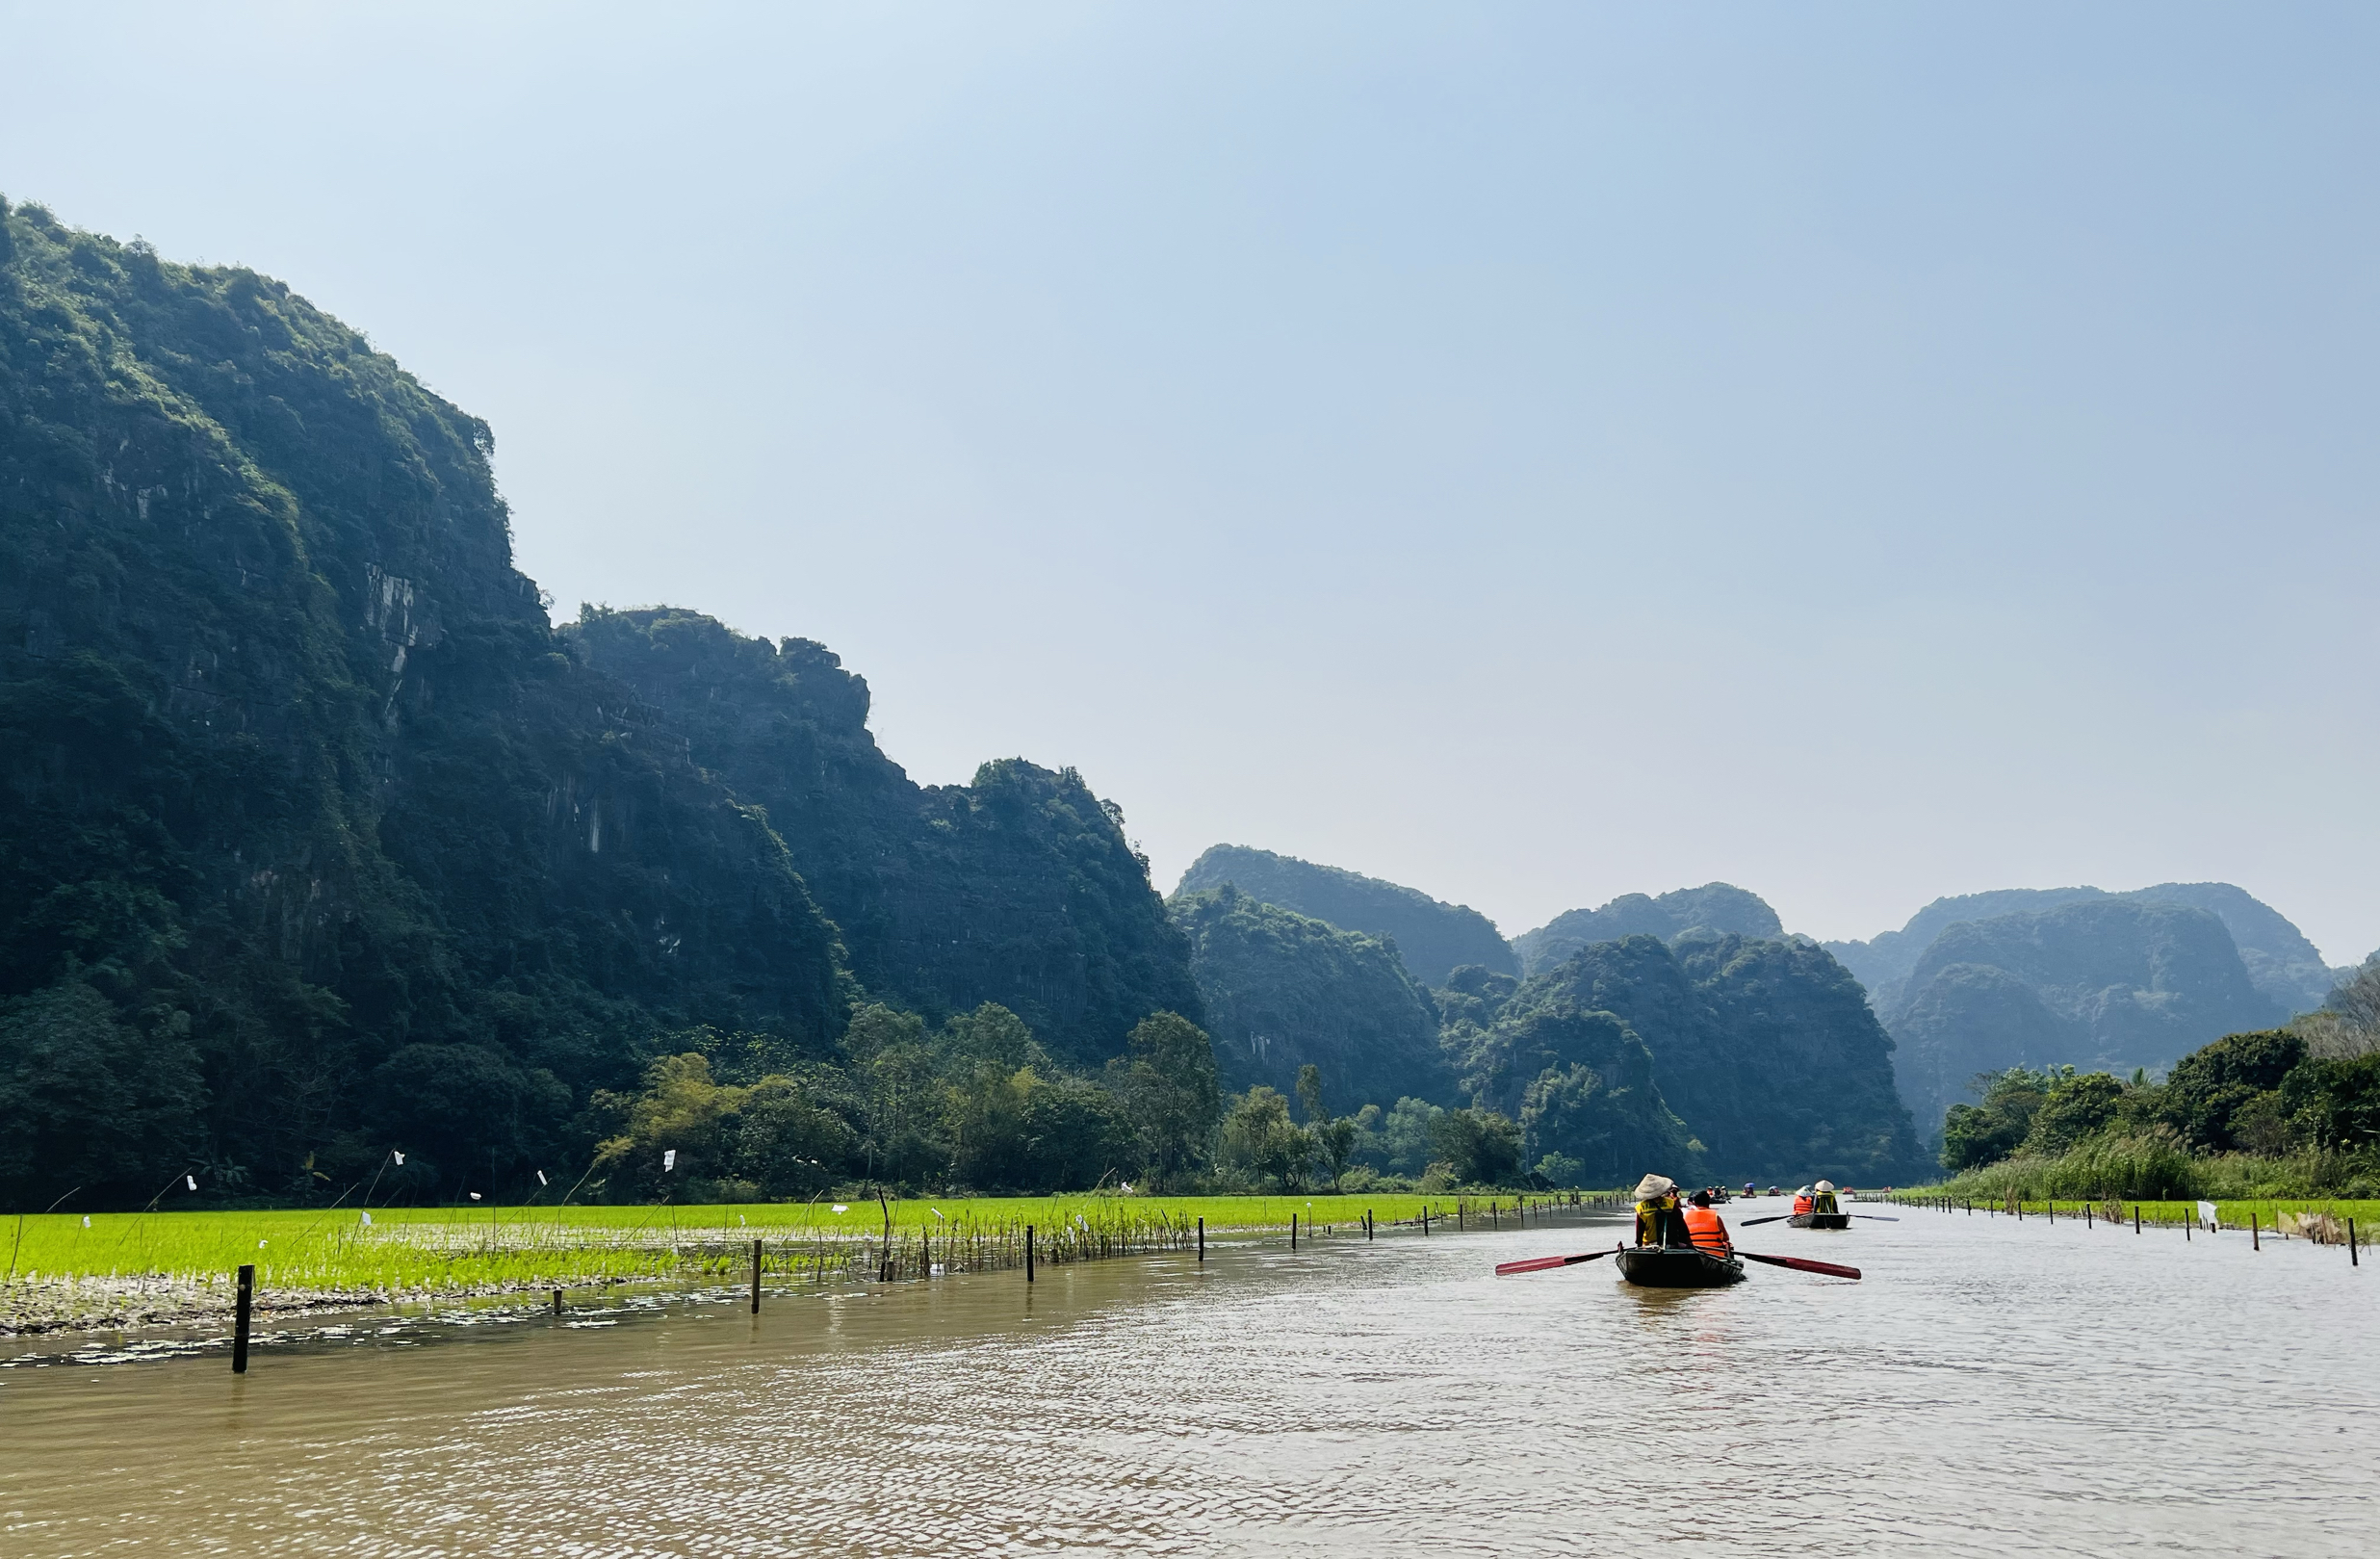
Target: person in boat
1801,1202
1747,1189
1658,1219
1706,1228
1825,1200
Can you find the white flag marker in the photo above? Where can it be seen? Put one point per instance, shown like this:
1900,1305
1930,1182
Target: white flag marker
669,1160
400,1158
542,1179
842,1206
86,1220
475,1196
366,1220
191,1180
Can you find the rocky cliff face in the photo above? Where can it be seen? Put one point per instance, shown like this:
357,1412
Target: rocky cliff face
1018,889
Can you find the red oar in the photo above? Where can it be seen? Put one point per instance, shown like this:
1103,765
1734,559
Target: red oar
1546,1263
1825,1269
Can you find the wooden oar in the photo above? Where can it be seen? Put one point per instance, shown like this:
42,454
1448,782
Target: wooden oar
1546,1263
1749,1223
1874,1217
1825,1269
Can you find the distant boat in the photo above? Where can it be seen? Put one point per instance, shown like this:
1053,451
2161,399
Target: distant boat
1678,1266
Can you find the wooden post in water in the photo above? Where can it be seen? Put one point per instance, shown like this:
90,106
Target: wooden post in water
1495,1217
1293,1231
1028,1249
2086,1215
239,1320
2256,1241
756,1277
2135,1217
557,1301
1201,1239
1367,1223
2351,1259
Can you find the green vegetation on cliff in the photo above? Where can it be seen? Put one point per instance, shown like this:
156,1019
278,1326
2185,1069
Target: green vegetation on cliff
1283,991
1433,938
1764,1050
1715,906
1018,889
320,841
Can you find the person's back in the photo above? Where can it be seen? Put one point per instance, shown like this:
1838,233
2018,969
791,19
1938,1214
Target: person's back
1705,1229
1825,1200
1656,1213
1801,1202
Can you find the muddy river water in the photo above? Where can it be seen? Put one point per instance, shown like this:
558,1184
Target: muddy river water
1989,1389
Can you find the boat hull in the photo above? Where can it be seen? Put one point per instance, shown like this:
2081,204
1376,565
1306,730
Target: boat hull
1820,1220
1671,1266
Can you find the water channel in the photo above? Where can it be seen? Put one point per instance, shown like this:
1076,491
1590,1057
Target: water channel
1989,1387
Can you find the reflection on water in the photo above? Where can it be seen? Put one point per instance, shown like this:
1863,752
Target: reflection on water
1988,1388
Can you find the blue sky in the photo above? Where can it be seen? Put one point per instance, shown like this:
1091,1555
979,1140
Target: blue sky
1534,453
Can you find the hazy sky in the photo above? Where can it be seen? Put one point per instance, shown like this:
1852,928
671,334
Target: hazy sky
1532,452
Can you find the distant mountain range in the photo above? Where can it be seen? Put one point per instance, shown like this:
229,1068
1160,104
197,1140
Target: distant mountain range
2041,976
2021,977
1684,1031
2278,959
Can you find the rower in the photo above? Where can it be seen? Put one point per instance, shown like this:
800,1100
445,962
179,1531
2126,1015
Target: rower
1825,1200
1801,1202
1656,1215
1706,1228
1747,1189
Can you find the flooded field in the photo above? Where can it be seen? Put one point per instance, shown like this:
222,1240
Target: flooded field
1989,1387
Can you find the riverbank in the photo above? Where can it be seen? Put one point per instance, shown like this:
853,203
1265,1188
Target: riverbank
70,1272
2287,1217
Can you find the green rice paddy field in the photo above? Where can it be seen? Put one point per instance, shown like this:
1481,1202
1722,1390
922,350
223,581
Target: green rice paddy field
69,1268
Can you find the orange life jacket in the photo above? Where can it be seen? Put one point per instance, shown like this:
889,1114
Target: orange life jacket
1708,1233
1802,1204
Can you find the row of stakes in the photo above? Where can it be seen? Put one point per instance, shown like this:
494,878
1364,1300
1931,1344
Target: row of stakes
245,1304
2256,1234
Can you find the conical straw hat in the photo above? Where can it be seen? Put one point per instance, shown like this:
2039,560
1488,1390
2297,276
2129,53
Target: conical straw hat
1652,1188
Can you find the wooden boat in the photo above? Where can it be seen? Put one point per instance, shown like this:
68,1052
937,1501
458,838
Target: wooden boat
1818,1220
1676,1266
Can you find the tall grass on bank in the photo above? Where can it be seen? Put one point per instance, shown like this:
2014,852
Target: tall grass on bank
2155,1168
116,1258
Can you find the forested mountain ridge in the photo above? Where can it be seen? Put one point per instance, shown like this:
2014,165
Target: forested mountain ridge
319,837
1284,990
1018,889
1715,906
1432,937
1765,1047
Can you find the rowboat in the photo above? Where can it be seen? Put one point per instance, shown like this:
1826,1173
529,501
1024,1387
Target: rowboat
1818,1220
1676,1266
